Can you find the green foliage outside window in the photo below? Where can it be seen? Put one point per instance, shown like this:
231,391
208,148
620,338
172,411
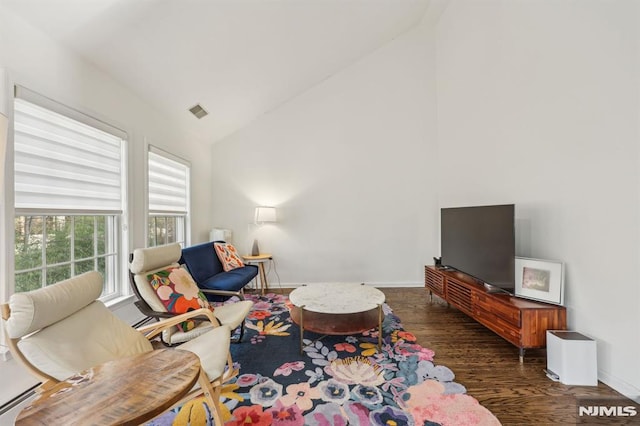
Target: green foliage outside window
49,249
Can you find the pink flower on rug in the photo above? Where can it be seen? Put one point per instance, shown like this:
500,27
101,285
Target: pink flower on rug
289,367
261,305
422,353
259,315
330,414
252,415
344,347
301,395
357,414
371,333
426,402
396,382
417,393
247,380
286,416
278,298
453,409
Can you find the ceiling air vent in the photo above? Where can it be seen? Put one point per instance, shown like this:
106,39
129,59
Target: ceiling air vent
198,111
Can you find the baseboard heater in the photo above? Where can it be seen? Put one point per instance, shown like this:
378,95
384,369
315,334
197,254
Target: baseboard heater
4,408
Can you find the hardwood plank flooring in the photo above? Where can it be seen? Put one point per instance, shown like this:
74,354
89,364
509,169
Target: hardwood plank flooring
488,366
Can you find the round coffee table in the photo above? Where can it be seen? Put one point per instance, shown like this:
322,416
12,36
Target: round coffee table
337,309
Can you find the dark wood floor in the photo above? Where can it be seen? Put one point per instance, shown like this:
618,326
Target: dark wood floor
487,365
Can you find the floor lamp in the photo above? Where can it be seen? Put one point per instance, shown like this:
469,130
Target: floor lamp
263,215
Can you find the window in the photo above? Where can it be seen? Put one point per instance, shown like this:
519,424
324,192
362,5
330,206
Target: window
69,195
53,248
168,220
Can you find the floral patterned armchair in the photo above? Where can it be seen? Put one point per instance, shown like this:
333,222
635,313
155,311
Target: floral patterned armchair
165,289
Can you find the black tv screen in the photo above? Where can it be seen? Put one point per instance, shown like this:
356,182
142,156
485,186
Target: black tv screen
480,241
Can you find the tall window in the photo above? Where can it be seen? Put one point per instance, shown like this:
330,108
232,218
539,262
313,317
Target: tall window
169,178
69,195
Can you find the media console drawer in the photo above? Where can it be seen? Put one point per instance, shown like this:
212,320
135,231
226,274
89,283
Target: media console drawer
519,321
510,314
506,330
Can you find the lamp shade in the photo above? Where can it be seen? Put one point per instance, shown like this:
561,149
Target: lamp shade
265,214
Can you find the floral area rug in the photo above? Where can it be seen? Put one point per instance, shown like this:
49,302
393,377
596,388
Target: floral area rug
337,380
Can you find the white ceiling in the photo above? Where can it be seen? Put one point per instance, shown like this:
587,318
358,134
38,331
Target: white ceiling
237,58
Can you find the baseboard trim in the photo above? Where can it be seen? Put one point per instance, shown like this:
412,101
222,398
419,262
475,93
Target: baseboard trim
621,386
14,402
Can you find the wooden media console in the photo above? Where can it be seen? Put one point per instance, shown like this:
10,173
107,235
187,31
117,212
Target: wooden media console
522,322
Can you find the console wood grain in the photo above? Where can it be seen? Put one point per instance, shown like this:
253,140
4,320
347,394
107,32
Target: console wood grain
521,322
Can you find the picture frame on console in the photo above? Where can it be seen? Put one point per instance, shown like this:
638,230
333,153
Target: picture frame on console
539,279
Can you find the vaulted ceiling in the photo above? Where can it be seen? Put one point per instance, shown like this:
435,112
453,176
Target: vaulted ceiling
237,58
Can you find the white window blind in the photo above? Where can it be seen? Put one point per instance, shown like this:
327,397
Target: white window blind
168,184
63,164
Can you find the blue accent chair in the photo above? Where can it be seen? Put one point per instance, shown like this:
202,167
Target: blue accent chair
206,269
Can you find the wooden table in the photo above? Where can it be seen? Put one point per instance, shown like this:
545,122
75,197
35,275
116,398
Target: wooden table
260,259
337,309
127,391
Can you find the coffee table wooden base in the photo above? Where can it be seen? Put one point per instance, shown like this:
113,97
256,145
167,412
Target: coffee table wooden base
337,324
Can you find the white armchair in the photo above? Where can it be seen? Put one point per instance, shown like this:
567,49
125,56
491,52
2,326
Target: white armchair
144,262
63,329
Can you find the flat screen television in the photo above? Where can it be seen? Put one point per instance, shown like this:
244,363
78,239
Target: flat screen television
480,241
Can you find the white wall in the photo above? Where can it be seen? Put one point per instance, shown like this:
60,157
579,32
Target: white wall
35,61
31,59
533,103
349,165
538,105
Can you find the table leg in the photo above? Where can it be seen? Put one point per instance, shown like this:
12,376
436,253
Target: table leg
380,316
301,329
263,278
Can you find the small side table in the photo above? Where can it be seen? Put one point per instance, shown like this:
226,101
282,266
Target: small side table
259,260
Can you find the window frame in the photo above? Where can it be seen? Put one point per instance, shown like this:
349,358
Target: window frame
116,281
179,229
109,254
183,236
